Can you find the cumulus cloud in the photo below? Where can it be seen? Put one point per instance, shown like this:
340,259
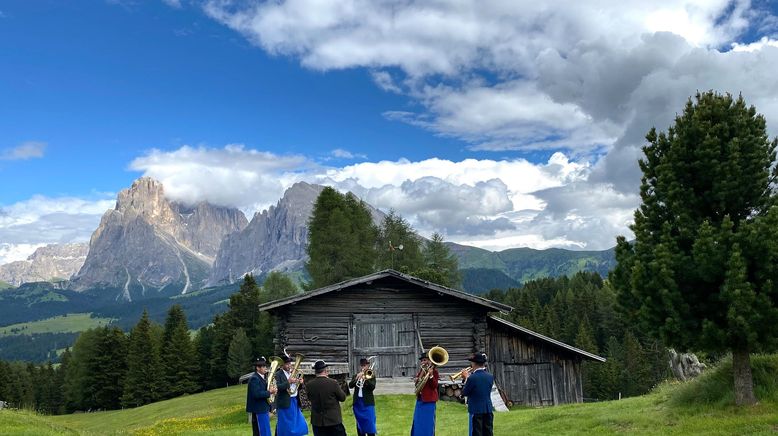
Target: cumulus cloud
40,220
230,176
24,151
345,154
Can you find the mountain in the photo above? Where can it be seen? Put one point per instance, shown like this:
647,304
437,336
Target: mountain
148,243
524,264
52,262
274,240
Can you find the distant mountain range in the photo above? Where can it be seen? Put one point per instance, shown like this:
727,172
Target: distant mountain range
149,247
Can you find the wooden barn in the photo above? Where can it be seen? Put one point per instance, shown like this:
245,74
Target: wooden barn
396,316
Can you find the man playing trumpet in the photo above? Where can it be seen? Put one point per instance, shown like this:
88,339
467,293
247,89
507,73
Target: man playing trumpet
426,399
364,401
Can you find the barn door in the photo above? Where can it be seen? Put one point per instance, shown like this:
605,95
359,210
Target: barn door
390,337
545,384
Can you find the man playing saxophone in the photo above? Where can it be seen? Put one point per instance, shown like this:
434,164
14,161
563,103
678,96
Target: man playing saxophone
364,401
426,399
291,421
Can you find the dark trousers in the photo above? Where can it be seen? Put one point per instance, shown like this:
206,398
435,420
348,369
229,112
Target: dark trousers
329,430
483,424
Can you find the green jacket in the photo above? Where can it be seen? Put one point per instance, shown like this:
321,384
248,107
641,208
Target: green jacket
367,390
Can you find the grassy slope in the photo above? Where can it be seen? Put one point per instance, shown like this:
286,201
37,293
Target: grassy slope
5,285
74,322
699,407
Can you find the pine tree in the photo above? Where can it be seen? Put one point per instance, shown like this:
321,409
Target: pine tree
590,371
239,355
106,368
243,313
399,247
178,356
701,271
341,239
440,265
144,370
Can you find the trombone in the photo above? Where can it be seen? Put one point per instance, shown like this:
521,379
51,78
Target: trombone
369,372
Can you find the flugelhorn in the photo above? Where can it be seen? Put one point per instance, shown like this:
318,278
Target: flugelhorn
460,374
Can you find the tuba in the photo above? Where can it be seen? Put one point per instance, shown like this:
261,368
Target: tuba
275,363
438,357
296,373
369,372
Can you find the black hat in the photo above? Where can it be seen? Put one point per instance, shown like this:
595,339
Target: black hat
478,358
260,361
424,355
364,361
286,358
319,365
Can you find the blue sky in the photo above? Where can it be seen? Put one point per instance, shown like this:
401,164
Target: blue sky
497,124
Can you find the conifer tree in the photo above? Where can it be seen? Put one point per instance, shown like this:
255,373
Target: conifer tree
178,356
393,233
144,370
590,371
239,355
106,368
701,272
243,313
440,265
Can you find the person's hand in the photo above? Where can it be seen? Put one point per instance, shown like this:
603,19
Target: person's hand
465,375
294,380
273,390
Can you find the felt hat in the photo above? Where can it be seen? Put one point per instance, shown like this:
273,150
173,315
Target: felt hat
260,361
478,358
319,365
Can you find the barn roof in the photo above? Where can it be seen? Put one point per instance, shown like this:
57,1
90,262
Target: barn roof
432,287
554,342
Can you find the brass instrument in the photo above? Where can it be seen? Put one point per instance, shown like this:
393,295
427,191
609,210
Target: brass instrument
460,374
296,373
438,356
369,372
275,363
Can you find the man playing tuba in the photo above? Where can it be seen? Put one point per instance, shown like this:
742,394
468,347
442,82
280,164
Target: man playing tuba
291,421
363,384
426,399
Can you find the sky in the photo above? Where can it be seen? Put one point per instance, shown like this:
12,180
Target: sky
496,123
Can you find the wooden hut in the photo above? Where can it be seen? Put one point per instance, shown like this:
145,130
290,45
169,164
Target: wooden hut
395,317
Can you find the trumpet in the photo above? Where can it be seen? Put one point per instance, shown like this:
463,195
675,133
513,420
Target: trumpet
369,372
296,373
460,374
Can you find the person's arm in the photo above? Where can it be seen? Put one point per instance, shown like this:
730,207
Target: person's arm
468,388
433,381
257,390
353,383
369,385
339,394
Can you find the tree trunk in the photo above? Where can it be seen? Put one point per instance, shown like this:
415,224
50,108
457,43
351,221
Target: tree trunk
744,381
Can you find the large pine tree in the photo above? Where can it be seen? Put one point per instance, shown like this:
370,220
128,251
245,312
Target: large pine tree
399,247
178,356
341,238
702,271
144,369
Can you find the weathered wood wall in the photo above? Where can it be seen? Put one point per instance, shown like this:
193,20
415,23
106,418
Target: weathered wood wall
533,372
322,327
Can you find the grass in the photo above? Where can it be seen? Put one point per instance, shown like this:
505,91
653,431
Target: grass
73,322
5,285
698,407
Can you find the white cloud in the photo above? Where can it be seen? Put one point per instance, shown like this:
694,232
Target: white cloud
173,3
40,220
229,176
755,46
345,154
24,151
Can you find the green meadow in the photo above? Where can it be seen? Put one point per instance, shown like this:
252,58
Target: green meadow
70,323
703,406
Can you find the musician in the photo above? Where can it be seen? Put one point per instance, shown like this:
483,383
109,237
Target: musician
478,390
426,400
257,399
325,395
364,401
291,421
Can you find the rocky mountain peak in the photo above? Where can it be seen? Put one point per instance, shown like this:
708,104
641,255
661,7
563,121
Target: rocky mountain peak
51,262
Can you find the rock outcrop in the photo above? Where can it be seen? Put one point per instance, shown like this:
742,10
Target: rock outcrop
52,262
148,243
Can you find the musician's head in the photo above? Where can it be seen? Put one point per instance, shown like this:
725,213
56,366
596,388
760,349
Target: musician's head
477,360
320,368
287,362
425,359
260,365
364,363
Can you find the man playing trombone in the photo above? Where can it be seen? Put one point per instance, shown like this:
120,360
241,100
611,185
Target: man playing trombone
364,401
426,399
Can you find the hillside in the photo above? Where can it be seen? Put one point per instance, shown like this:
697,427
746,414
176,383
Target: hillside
668,410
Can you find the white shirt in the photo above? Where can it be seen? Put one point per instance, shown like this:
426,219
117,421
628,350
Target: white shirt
288,375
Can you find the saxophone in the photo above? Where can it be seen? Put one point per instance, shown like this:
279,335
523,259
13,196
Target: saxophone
296,373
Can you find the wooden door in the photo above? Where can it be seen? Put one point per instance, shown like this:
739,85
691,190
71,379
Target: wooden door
391,337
